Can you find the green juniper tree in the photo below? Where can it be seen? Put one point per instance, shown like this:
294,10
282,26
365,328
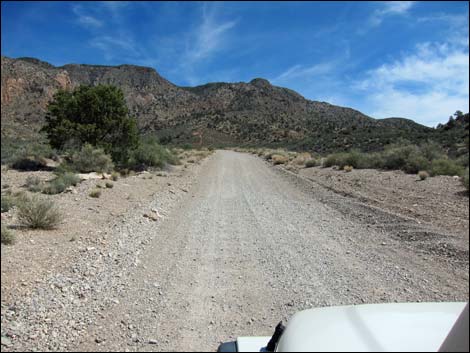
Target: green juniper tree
96,115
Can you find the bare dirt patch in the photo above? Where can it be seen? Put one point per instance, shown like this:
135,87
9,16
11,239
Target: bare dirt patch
441,201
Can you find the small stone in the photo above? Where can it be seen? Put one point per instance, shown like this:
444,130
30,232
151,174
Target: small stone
152,341
6,342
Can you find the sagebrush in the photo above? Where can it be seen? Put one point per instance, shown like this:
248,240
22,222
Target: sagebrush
38,213
8,237
91,159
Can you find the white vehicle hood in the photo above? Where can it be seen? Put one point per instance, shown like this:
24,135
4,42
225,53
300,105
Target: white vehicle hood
376,327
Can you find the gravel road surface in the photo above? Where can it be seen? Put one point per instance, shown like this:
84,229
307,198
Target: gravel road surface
249,245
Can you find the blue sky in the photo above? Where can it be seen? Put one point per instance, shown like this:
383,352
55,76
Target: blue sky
406,59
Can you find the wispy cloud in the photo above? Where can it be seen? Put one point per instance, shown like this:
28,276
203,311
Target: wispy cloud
390,8
426,85
303,71
115,8
86,19
104,21
113,46
209,36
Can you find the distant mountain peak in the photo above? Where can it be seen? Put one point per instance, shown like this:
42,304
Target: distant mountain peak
260,82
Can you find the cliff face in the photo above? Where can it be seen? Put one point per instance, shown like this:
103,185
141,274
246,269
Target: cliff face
254,113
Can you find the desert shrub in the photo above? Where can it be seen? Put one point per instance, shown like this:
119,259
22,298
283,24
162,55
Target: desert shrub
271,153
348,168
395,157
423,175
69,179
95,193
7,202
432,150
465,179
54,187
28,156
445,167
91,159
354,159
114,176
302,158
61,183
124,172
37,213
311,163
109,185
279,159
463,160
150,154
8,237
331,160
371,161
33,183
415,162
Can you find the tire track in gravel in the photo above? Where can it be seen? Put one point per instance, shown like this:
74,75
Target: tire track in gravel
250,246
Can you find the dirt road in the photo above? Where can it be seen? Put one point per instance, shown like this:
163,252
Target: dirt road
241,246
249,245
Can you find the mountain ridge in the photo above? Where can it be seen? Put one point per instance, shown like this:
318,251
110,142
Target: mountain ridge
254,112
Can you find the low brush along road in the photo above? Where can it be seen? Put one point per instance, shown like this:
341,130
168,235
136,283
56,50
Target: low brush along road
250,245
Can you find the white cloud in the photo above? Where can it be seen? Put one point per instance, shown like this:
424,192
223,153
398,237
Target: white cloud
86,19
297,71
390,8
113,47
209,36
426,86
429,109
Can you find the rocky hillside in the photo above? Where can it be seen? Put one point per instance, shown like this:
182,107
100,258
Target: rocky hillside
254,113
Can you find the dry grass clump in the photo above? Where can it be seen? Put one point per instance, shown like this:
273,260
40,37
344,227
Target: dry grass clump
8,237
38,213
279,159
114,176
348,168
311,163
7,202
465,179
33,183
423,175
302,158
95,193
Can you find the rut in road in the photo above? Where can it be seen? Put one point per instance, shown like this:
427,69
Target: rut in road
249,247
